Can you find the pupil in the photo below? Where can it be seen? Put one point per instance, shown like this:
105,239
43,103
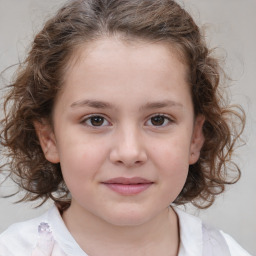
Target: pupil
97,120
157,120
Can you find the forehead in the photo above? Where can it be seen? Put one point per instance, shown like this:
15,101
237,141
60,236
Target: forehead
107,51
126,74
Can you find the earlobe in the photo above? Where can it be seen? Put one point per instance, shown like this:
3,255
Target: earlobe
197,140
47,141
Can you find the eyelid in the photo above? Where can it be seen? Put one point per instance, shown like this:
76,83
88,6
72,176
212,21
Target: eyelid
166,116
87,117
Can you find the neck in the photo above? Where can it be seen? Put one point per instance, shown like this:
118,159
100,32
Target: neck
159,236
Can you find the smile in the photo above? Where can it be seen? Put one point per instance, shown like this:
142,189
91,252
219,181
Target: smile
128,186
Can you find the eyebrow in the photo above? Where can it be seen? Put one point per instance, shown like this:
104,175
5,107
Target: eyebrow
105,105
161,104
92,104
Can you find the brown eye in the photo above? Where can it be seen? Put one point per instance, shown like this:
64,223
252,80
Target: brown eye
159,120
96,121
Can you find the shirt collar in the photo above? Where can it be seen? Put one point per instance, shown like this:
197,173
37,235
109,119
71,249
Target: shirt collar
191,237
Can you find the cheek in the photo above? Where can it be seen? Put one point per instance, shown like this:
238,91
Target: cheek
171,152
173,175
174,169
172,162
81,160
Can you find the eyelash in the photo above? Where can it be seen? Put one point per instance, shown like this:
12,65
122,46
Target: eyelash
166,120
89,118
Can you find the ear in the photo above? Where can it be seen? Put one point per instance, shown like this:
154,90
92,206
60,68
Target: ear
47,141
197,139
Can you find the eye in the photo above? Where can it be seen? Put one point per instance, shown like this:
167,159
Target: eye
95,121
159,120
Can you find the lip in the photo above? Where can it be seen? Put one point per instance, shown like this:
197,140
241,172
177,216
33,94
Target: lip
128,186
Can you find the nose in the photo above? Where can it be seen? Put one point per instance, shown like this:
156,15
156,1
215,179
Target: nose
128,148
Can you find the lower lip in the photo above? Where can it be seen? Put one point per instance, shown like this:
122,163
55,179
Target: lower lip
128,189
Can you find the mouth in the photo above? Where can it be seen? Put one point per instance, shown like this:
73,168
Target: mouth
128,186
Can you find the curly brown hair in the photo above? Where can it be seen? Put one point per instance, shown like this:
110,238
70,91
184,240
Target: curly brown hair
32,95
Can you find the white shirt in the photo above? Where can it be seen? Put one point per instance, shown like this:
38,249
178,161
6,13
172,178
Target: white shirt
47,235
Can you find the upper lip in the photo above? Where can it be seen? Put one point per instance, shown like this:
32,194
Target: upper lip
126,181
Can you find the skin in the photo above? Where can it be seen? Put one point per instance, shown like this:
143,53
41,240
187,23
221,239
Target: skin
125,86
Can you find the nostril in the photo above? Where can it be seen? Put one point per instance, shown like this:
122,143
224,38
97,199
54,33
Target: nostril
128,155
129,163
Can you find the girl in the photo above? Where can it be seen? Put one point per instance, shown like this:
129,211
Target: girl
117,116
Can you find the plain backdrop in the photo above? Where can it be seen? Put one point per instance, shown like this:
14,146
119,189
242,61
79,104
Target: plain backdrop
230,25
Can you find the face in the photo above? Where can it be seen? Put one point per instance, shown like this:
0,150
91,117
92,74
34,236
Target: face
124,130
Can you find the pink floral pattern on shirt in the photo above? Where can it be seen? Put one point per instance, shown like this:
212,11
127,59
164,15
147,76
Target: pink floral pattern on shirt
45,243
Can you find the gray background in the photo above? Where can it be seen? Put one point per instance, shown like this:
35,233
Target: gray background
230,26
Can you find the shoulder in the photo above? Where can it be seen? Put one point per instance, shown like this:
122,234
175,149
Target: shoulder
198,238
21,237
234,247
46,234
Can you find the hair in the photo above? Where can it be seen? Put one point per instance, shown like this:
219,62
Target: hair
32,95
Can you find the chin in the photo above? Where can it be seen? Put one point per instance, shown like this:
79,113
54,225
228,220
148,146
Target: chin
131,221
128,218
